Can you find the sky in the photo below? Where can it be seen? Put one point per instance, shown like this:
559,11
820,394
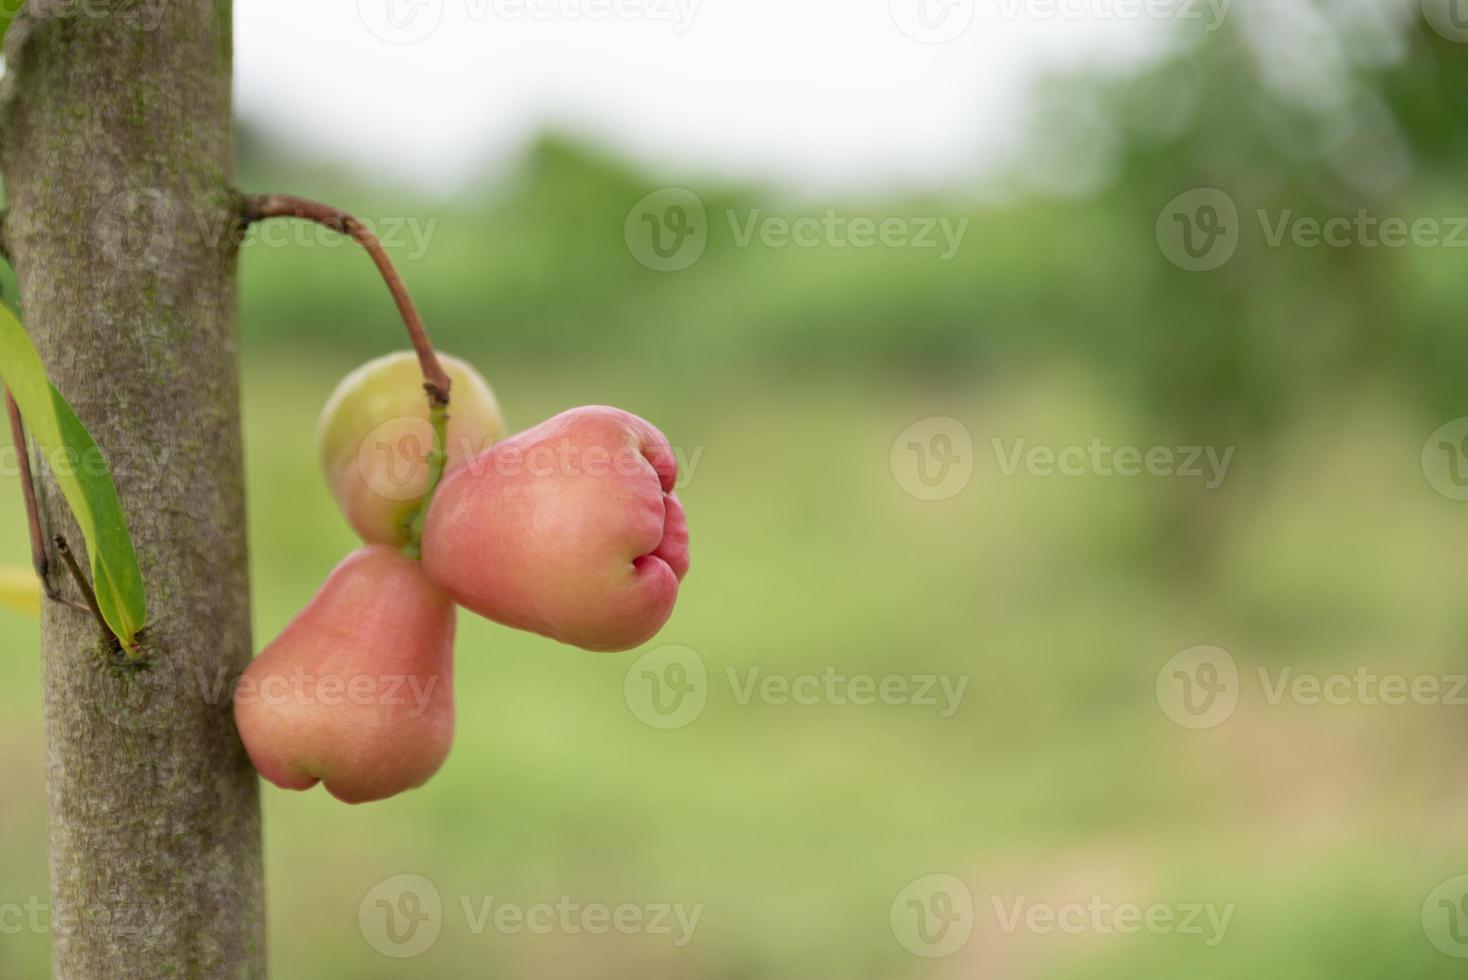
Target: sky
809,94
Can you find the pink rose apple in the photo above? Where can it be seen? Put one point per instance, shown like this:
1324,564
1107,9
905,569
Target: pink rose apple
570,530
357,693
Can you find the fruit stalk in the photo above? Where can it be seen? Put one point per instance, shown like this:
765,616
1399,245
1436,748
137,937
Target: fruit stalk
438,417
260,207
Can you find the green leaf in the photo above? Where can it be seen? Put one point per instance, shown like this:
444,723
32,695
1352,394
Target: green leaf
8,10
84,477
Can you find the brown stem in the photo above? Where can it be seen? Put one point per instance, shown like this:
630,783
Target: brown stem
258,207
39,559
81,583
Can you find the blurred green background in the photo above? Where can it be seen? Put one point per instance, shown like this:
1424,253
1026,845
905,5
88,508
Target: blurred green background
790,376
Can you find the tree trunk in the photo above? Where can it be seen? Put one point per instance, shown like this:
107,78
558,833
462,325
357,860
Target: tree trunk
117,164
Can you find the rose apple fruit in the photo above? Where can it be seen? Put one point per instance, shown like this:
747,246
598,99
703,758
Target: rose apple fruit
570,530
357,692
374,439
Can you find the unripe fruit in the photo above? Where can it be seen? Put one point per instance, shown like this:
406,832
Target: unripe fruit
374,439
357,693
570,530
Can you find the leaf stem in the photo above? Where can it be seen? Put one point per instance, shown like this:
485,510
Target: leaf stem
259,207
40,561
86,588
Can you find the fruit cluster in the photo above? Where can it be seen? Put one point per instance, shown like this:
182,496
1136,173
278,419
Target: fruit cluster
570,530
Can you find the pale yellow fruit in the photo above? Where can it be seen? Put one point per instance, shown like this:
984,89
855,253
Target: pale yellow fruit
374,440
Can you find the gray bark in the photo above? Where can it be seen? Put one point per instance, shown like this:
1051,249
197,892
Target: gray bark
117,163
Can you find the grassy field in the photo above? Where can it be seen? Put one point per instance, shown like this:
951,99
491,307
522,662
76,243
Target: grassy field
792,828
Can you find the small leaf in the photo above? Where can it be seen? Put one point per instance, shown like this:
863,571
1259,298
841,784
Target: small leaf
20,591
85,480
8,10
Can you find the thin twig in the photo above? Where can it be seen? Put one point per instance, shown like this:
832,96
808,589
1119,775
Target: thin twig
81,583
39,559
259,207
